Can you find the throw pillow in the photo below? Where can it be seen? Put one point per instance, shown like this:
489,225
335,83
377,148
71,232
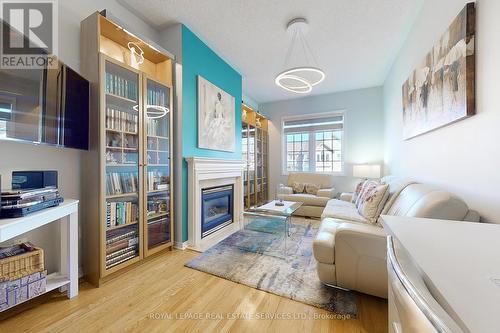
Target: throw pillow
312,189
357,191
372,200
364,184
298,187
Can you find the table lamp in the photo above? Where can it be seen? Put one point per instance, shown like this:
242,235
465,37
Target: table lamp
366,171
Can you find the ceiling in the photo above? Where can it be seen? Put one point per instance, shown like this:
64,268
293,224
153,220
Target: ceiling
354,41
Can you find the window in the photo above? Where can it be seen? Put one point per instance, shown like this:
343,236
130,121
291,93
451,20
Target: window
297,151
313,143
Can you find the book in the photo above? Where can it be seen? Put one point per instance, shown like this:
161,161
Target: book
121,212
114,238
121,252
120,86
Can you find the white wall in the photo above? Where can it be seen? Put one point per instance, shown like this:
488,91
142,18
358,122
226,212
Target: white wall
22,156
364,133
463,157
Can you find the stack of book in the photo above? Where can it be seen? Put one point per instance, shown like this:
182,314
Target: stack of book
121,120
121,87
121,183
157,181
121,245
156,97
120,213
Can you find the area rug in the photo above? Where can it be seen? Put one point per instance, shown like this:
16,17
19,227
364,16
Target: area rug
255,257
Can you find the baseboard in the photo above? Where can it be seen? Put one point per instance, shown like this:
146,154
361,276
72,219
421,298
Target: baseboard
181,245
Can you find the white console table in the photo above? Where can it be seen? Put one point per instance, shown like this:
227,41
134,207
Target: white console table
67,215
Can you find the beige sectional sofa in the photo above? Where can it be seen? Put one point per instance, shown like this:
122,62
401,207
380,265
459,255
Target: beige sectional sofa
351,253
313,204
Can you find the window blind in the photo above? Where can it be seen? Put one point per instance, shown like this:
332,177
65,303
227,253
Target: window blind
314,124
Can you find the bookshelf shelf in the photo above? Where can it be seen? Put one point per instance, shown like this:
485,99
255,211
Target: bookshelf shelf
157,165
121,226
120,136
157,151
119,165
120,132
157,191
123,195
158,137
155,216
122,99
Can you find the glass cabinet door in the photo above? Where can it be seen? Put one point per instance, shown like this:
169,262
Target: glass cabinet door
122,144
157,117
259,166
265,162
251,165
244,153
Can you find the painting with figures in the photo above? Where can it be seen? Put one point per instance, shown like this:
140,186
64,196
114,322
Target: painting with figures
441,90
216,117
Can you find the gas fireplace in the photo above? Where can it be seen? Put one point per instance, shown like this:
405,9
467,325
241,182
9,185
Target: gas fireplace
216,208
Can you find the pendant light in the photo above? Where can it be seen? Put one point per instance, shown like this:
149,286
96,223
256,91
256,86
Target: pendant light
299,79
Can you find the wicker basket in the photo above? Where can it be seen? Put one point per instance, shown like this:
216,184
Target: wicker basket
21,265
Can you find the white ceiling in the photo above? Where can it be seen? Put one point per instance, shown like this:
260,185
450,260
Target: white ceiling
354,41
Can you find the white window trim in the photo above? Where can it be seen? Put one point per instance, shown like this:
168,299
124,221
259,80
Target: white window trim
342,112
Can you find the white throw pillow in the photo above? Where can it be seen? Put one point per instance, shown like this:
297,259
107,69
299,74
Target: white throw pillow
372,199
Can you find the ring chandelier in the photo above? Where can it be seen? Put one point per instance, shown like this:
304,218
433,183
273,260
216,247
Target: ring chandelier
300,79
154,111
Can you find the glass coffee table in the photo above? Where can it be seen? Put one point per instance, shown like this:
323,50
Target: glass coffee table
267,228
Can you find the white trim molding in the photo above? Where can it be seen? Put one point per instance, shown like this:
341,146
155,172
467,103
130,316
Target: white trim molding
209,172
181,245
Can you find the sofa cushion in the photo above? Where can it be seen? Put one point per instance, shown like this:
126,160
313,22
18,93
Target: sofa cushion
396,186
307,199
324,242
343,210
326,192
372,200
421,200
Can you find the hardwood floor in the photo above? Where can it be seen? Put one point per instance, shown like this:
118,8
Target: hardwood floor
162,295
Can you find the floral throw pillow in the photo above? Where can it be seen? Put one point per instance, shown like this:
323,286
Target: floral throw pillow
312,189
298,187
372,199
357,191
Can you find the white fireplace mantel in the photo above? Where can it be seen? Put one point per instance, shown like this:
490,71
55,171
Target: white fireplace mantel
209,172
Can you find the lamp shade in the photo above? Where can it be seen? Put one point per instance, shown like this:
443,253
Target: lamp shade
366,171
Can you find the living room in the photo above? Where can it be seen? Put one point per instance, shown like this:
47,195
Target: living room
249,165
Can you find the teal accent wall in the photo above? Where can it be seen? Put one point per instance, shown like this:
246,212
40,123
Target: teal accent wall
199,59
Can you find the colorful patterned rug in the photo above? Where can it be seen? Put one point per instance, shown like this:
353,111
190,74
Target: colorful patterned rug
256,257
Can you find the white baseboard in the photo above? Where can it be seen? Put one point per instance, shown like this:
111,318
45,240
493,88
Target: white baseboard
181,245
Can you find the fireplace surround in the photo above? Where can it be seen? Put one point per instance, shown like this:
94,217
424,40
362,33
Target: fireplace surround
208,173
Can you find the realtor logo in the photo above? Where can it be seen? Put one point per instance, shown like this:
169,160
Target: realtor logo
29,34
